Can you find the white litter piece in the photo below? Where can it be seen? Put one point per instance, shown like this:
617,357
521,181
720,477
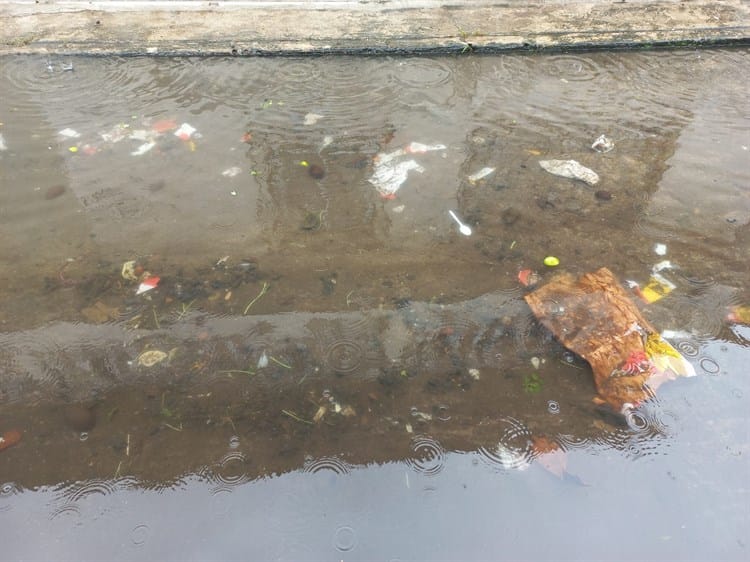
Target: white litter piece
263,361
419,148
143,149
147,284
399,209
389,173
3,146
312,118
141,135
185,131
603,144
327,140
231,172
570,169
116,133
483,173
388,177
69,133
660,249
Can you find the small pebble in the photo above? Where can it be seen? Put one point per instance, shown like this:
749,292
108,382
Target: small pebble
603,195
316,172
54,192
80,417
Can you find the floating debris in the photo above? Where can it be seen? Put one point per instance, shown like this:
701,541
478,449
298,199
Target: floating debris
312,118
9,438
483,173
570,169
129,269
147,284
185,132
603,144
232,172
151,358
69,133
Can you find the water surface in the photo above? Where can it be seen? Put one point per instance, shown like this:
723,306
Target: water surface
327,373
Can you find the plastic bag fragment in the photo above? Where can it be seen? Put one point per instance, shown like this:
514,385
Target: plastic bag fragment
570,169
390,173
603,144
594,317
481,174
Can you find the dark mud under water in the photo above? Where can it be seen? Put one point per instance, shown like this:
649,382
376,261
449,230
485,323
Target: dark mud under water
326,373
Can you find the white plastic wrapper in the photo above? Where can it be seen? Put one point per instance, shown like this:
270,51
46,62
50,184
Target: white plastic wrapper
570,169
388,177
143,149
390,172
603,144
481,174
185,132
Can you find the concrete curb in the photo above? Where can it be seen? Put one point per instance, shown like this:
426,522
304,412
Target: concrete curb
288,28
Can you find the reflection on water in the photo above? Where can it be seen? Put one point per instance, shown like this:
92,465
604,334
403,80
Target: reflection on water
325,372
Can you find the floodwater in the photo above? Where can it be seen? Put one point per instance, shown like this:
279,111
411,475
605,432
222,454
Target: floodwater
327,368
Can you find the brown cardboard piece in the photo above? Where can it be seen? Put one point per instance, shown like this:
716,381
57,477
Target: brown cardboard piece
594,317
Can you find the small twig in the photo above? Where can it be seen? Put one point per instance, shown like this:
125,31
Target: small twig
296,417
228,417
230,371
282,364
252,302
156,319
117,472
185,308
173,427
127,446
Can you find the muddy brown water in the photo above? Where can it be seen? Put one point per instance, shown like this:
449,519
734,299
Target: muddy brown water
323,372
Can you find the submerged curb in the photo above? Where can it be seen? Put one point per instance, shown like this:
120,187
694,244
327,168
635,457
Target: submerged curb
245,28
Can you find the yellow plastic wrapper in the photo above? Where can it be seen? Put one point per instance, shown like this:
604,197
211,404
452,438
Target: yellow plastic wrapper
594,317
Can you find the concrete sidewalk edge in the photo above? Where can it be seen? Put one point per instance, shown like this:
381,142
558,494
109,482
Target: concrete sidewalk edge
69,28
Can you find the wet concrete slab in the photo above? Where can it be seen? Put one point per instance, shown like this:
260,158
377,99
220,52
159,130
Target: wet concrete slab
366,27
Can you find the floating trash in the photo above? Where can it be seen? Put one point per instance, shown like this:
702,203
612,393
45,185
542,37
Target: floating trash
603,144
528,278
147,284
151,358
9,438
185,132
739,314
232,172
594,317
312,118
263,361
389,177
129,270
483,173
570,169
464,229
143,149
390,173
69,133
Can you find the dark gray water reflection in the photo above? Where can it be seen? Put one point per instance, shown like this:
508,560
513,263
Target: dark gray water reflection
327,373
